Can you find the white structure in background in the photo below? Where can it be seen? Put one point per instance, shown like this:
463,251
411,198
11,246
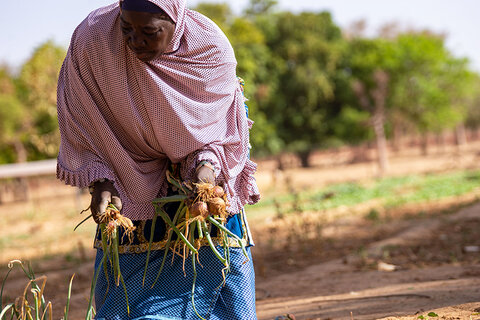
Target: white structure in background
28,169
32,180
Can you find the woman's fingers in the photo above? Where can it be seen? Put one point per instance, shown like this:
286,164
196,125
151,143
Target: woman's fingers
206,174
103,194
117,202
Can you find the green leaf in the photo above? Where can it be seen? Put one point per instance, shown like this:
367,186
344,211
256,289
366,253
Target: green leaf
174,198
432,314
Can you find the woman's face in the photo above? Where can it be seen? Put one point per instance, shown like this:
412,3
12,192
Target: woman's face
147,34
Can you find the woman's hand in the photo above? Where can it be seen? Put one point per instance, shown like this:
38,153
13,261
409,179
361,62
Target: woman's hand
206,174
103,194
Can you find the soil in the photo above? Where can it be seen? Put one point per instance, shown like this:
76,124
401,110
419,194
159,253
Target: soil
344,266
386,271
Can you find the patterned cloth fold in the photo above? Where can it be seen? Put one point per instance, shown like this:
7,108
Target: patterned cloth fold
171,297
125,120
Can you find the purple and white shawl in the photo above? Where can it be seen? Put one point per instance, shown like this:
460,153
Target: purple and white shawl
125,120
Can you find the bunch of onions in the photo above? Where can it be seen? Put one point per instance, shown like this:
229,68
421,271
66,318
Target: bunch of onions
113,219
109,223
201,207
208,200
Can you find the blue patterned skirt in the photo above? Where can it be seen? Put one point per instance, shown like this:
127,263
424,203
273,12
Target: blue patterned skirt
214,298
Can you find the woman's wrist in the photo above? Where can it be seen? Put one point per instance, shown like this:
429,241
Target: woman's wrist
205,172
205,163
91,187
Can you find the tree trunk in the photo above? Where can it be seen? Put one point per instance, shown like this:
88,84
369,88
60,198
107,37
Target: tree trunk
304,157
441,141
474,133
460,135
20,151
21,192
359,154
424,144
397,137
381,140
377,111
378,119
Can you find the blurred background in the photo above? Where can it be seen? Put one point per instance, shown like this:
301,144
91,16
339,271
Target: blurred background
367,123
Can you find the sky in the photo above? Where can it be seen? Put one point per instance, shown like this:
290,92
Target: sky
26,24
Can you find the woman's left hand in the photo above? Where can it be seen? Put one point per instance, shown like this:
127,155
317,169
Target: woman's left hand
205,174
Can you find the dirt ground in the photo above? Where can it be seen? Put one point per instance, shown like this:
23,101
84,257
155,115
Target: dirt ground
404,266
399,268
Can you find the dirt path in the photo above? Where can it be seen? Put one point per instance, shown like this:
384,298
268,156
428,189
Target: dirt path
338,289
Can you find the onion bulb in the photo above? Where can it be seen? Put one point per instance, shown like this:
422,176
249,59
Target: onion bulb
199,208
217,206
218,191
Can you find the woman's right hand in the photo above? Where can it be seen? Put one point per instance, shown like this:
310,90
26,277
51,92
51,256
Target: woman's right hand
103,194
205,174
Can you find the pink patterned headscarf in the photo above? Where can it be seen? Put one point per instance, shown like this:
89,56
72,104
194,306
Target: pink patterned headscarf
124,119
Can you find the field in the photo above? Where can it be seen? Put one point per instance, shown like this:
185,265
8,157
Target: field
332,241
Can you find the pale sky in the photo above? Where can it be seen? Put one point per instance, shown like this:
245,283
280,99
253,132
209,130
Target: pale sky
25,24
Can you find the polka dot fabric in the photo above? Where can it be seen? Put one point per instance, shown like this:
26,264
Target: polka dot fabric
171,297
125,120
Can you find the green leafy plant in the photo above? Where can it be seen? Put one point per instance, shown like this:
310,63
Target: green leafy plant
430,314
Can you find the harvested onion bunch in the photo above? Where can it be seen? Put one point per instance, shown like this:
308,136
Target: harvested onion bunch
201,206
110,221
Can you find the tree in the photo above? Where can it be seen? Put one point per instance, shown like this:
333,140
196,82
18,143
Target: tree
472,119
425,88
13,119
38,86
220,13
459,83
253,58
306,51
373,62
260,7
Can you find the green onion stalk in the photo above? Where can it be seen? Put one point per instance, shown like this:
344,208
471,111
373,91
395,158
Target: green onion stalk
201,206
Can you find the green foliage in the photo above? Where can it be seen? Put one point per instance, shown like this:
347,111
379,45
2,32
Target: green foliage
472,103
7,86
428,89
28,114
253,57
13,119
38,80
253,61
260,7
12,115
306,51
428,82
430,314
300,73
220,13
40,73
351,125
388,193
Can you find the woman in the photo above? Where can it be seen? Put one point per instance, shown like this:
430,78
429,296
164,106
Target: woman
147,85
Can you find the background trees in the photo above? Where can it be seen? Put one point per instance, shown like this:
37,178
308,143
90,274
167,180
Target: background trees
38,86
310,85
28,114
12,120
306,51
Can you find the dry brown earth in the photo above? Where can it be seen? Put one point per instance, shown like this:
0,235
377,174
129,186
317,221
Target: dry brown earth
341,269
